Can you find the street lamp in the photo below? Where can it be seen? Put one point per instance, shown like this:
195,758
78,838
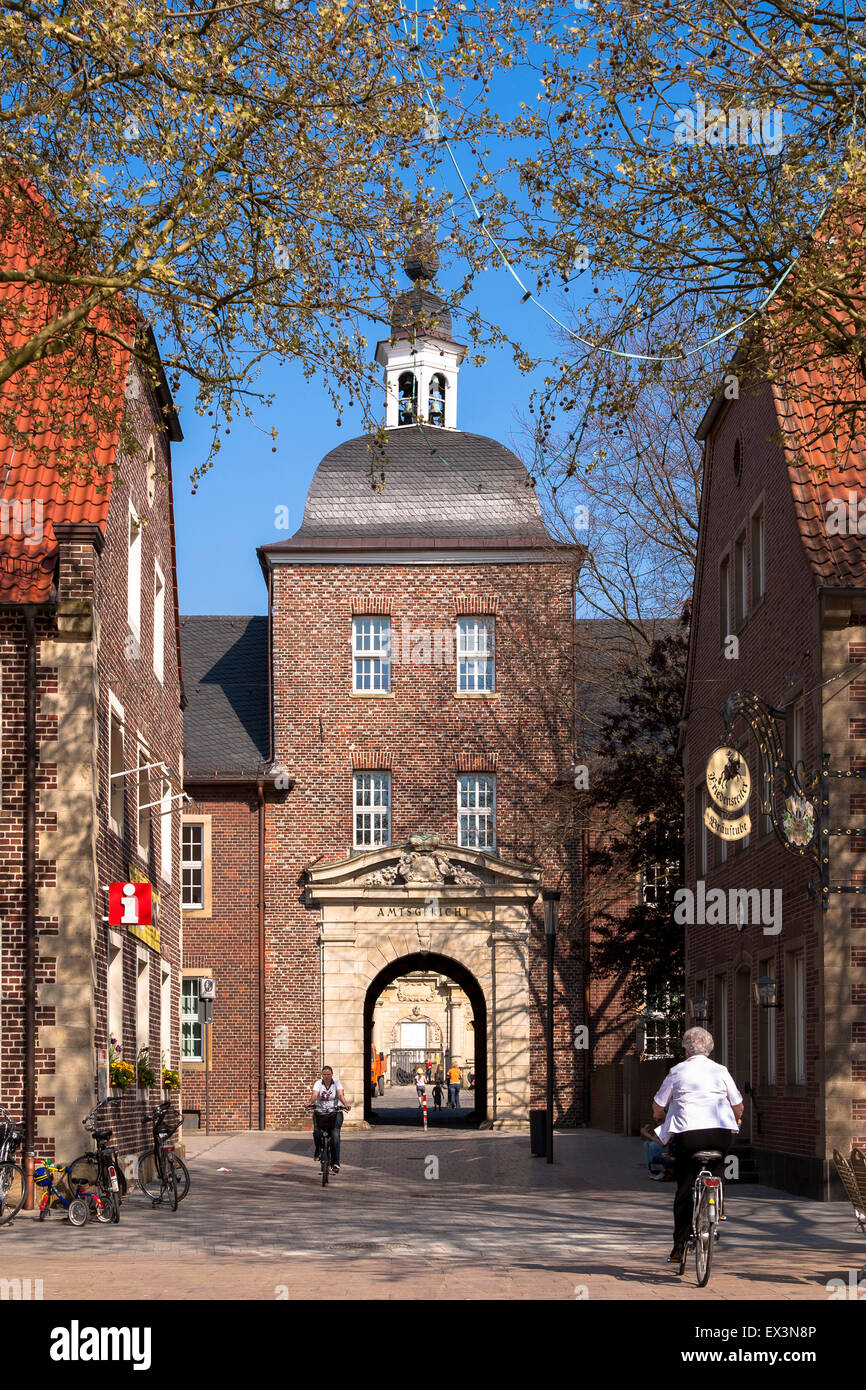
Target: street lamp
701,1010
766,992
550,898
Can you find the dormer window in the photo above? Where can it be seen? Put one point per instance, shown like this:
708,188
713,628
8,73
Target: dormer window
408,390
436,411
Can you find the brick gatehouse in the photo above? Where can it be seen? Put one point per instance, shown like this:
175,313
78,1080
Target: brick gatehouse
376,766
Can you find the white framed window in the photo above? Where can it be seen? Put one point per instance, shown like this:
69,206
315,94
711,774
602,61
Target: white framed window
797,717
371,655
133,575
475,655
191,1029
741,592
166,1031
372,809
166,839
142,1003
151,473
476,811
657,882
116,766
192,864
759,577
158,623
796,1010
768,1023
725,623
144,819
702,834
115,989
720,1021
662,1024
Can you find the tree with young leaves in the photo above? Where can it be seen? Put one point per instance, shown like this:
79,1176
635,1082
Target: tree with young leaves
635,807
695,177
243,177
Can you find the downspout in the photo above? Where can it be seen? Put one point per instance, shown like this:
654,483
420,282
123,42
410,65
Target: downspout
29,901
260,791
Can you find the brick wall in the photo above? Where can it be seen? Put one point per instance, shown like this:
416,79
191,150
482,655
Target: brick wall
225,945
153,709
779,653
319,725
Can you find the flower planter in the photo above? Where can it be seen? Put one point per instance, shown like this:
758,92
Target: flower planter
116,1092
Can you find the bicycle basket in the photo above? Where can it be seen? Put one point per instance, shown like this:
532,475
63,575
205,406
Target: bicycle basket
42,1173
326,1119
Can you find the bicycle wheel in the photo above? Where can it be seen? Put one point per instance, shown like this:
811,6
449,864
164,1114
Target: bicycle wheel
326,1159
13,1190
182,1175
171,1183
147,1175
93,1187
705,1239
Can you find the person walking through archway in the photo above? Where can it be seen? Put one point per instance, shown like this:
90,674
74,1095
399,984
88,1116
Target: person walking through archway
454,1086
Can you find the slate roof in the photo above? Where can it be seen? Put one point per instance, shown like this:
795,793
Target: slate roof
422,310
438,484
226,725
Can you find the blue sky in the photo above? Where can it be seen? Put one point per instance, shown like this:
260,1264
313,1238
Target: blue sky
233,511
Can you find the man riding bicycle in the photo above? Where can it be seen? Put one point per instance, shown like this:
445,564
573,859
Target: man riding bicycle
327,1097
704,1109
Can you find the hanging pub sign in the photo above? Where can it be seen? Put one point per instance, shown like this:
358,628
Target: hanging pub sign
729,785
798,820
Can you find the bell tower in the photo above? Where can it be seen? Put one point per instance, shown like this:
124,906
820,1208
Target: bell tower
421,358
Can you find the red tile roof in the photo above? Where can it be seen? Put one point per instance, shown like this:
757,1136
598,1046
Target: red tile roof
826,466
49,398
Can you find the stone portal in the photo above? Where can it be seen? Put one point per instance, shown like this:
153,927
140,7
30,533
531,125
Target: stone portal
462,912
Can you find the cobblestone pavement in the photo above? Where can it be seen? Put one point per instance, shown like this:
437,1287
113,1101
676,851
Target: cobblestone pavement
495,1223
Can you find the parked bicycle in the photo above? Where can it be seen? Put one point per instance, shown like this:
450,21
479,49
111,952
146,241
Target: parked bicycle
97,1176
13,1187
708,1209
324,1122
161,1175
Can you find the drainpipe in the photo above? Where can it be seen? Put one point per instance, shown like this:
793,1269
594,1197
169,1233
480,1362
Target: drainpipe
29,901
260,790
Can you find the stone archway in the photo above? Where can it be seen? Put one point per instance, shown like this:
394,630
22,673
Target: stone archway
421,900
475,994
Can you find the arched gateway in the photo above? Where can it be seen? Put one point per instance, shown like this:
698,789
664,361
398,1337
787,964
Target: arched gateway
383,910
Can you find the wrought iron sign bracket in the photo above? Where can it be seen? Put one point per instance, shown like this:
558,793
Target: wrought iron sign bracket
762,719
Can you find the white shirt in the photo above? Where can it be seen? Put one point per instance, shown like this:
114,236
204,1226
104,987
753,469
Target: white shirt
698,1094
326,1099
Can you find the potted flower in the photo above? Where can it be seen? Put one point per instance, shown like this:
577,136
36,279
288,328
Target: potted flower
121,1072
170,1079
145,1074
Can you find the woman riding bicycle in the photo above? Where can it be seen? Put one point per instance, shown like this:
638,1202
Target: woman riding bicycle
704,1109
328,1096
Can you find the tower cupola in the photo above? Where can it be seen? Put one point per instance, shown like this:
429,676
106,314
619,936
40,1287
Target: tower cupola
421,358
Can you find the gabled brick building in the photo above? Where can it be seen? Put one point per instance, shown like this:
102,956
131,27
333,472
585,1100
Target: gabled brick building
780,610
418,676
91,693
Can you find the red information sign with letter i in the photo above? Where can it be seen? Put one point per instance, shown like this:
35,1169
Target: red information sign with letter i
130,905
